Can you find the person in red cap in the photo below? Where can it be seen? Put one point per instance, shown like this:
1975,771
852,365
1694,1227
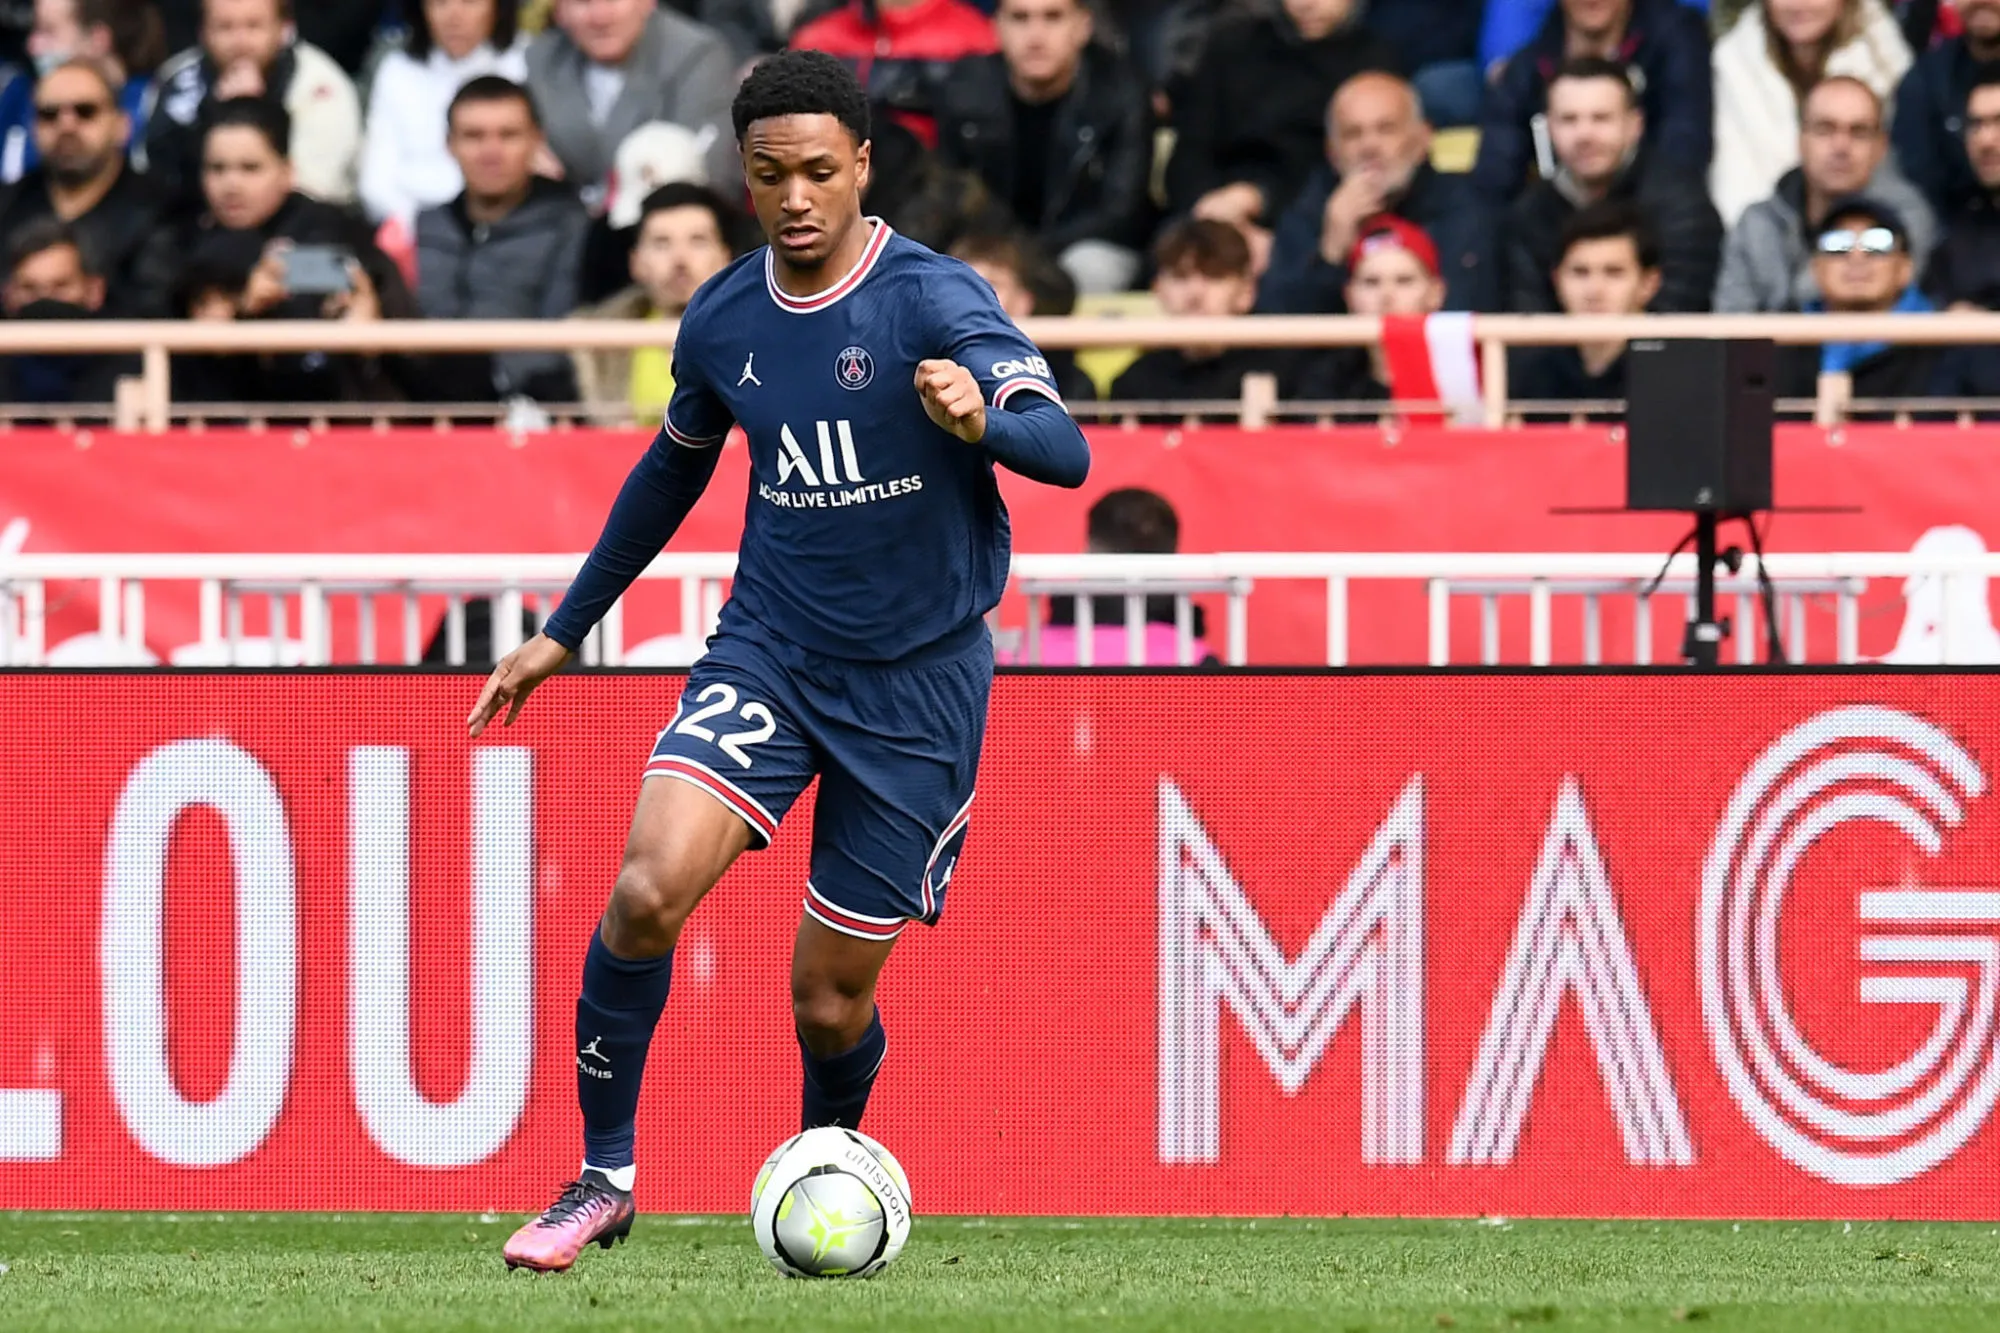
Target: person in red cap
1392,269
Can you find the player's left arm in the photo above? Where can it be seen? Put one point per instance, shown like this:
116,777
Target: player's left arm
993,387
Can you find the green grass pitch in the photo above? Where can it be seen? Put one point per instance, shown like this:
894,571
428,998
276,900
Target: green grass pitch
131,1272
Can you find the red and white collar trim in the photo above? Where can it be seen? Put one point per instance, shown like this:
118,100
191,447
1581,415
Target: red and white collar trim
806,305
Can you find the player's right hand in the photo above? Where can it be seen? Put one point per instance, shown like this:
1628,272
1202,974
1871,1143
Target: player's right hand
518,673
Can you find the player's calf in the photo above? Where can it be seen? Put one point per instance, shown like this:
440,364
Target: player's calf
841,1042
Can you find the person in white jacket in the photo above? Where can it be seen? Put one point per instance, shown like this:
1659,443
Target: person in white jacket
1775,51
405,166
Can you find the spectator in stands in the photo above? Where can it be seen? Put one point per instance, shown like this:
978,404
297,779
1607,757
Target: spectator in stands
1598,132
49,276
344,29
904,51
1767,262
1378,162
1059,128
510,246
1666,44
1127,521
609,67
924,197
1010,266
1928,131
1965,271
1202,269
1862,265
405,165
1391,270
1776,53
1438,41
122,36
1609,265
83,180
687,234
1253,125
247,50
252,209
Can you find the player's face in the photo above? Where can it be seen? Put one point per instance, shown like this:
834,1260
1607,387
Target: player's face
806,176
677,251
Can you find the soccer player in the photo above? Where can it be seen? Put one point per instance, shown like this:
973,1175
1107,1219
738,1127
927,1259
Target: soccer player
878,385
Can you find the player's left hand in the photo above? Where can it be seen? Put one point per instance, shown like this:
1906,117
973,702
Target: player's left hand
953,399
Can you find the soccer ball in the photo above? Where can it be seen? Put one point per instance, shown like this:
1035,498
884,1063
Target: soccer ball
831,1203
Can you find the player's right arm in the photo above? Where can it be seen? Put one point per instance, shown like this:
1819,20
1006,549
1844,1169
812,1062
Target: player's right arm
657,496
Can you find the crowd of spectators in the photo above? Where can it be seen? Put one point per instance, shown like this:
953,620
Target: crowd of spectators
360,160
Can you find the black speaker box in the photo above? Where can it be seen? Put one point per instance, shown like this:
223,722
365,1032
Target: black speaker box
1698,424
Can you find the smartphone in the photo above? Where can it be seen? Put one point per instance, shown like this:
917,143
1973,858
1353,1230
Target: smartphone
317,270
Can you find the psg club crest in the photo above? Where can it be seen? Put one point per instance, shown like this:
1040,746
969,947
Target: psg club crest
854,368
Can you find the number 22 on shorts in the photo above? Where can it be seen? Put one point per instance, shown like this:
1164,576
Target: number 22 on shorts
724,699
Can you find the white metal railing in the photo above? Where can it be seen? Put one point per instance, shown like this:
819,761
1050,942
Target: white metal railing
145,401
338,604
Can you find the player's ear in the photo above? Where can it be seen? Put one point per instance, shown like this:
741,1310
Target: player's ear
863,165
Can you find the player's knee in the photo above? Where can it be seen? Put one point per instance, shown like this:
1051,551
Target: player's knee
830,1018
650,901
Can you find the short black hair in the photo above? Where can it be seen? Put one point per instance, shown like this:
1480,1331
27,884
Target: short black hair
1598,67
686,194
491,88
1606,220
261,114
801,83
1984,76
42,234
506,23
1134,521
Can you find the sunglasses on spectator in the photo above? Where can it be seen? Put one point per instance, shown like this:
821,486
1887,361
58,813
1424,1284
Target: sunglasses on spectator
1869,241
48,113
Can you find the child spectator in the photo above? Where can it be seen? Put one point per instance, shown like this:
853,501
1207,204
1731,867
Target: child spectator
1016,272
1203,270
1392,270
1609,265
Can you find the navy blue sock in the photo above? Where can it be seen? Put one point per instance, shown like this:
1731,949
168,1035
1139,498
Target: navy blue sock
837,1086
615,1016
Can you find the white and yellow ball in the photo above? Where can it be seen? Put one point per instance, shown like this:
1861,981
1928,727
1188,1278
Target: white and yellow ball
831,1203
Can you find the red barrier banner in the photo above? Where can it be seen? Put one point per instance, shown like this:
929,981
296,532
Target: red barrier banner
1291,489
1609,945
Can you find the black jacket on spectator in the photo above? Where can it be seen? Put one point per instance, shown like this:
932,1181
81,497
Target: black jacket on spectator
915,192
1099,157
311,377
1166,375
1071,382
77,378
171,150
525,266
1426,32
1928,131
1256,108
127,237
1460,221
1340,375
1895,372
1557,374
1966,264
1668,45
1673,199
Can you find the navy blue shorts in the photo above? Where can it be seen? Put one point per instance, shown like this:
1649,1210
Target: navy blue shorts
895,748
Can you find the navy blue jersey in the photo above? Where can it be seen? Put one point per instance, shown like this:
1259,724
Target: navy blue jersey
869,532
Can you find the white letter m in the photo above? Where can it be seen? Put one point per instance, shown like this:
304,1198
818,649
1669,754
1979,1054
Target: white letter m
1367,952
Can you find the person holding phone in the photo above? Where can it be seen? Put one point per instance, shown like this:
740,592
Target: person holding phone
306,260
